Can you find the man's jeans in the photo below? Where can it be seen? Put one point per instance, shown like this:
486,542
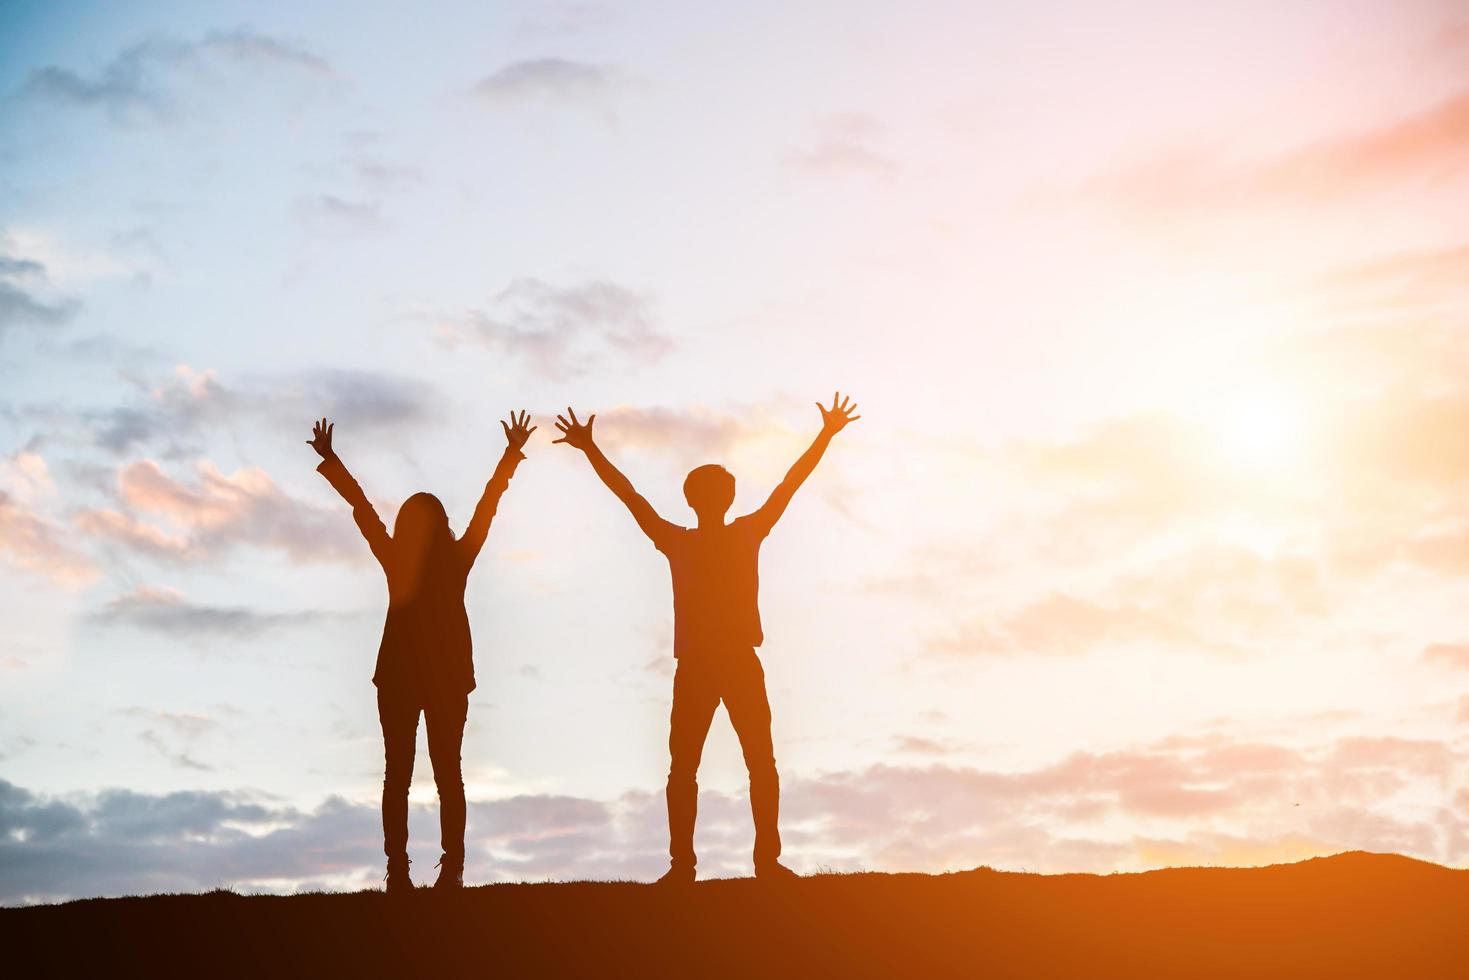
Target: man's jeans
701,682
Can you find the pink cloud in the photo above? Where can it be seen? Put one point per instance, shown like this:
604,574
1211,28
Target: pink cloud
1448,654
1063,624
33,543
214,514
29,539
107,524
691,433
1429,146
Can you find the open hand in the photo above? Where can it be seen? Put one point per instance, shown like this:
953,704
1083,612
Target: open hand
575,433
321,438
834,419
516,431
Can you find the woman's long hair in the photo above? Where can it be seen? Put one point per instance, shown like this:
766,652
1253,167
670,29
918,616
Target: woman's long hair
422,536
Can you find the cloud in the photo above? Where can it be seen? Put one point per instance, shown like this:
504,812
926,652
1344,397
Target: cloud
1207,598
170,416
1063,624
1447,654
174,519
560,20
1403,282
688,432
166,611
178,757
1184,800
173,735
19,305
921,745
20,308
846,144
117,842
215,514
542,80
1452,40
185,724
106,524
36,544
260,50
1210,599
11,268
30,540
383,176
43,258
1424,149
141,83
562,332
329,213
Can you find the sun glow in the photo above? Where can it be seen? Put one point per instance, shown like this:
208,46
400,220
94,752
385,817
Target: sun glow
1259,427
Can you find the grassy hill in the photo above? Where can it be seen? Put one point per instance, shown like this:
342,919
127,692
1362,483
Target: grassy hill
1352,915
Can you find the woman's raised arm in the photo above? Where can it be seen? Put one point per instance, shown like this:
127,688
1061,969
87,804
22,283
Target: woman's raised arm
336,474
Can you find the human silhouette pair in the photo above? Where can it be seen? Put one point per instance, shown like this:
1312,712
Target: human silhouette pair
425,663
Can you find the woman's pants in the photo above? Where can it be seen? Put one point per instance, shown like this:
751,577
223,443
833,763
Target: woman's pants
444,716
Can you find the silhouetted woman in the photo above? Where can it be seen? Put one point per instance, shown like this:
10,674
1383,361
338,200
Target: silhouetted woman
424,663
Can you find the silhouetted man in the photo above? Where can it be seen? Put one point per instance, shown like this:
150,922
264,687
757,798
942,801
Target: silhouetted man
716,628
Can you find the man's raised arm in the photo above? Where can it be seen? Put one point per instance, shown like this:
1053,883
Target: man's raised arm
833,420
579,435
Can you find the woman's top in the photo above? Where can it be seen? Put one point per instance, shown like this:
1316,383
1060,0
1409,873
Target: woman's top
426,648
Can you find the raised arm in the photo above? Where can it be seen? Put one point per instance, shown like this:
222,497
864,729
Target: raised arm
579,435
517,431
833,420
336,474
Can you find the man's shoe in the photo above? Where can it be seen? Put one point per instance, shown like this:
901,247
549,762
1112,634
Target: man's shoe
451,874
774,871
676,875
397,880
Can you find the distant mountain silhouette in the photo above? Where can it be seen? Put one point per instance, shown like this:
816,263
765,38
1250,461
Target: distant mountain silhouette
1352,915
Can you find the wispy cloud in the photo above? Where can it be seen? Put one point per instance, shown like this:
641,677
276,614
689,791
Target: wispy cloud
167,611
20,308
169,414
561,20
690,433
562,332
139,83
1447,654
846,144
1426,148
542,80
1064,624
332,214
20,305
174,735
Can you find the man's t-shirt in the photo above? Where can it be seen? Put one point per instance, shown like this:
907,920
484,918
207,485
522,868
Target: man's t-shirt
716,584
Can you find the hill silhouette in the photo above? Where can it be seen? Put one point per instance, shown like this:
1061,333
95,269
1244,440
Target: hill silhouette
1351,915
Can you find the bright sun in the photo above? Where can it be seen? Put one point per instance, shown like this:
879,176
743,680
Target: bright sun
1260,426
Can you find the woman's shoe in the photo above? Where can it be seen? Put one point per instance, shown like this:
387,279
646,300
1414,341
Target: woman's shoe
677,875
451,874
397,880
774,870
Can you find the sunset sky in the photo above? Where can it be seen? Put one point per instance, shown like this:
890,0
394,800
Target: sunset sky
1151,547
